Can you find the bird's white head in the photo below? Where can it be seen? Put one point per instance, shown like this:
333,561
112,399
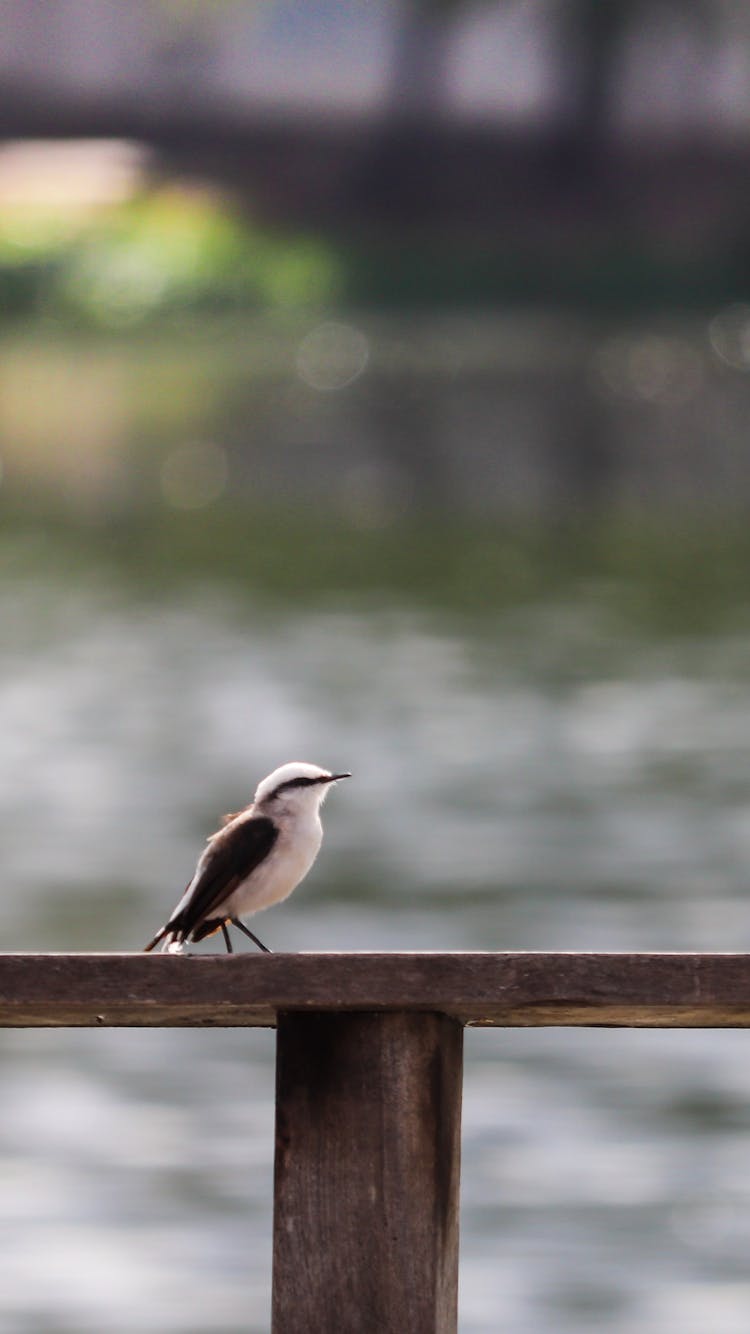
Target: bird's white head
295,788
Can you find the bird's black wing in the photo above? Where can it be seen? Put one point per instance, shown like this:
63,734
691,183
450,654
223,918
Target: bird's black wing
232,855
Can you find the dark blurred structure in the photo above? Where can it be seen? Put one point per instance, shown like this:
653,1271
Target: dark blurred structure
465,155
488,117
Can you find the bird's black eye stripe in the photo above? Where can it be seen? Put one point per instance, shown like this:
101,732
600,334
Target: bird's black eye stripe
295,782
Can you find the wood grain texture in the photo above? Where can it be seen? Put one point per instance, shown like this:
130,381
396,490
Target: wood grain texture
514,989
368,1110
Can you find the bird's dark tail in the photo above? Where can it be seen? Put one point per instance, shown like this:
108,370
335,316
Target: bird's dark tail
152,943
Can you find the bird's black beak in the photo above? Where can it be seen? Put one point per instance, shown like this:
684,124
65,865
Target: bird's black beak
334,778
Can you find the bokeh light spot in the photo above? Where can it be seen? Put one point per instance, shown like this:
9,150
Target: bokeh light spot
729,335
652,368
332,356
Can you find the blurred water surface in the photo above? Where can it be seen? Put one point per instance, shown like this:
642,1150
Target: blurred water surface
550,752
377,418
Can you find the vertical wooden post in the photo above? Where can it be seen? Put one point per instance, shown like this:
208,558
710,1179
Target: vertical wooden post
368,1117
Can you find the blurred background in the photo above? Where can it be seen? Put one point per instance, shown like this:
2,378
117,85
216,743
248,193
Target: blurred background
374,391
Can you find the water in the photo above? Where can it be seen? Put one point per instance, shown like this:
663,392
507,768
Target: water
219,556
377,419
548,777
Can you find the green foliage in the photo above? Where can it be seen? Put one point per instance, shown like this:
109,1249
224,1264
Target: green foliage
167,253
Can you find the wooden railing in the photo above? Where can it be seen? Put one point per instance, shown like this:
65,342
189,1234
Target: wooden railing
368,1091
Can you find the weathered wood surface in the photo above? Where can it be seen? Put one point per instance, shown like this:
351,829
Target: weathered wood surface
368,1112
515,989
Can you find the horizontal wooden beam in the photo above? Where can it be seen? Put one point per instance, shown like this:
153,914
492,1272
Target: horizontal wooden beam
513,989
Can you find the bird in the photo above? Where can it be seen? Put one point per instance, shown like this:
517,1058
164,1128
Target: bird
255,858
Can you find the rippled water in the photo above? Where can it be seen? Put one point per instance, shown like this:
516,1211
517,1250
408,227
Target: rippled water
546,776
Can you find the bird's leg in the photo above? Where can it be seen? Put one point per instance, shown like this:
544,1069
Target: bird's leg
227,940
241,927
